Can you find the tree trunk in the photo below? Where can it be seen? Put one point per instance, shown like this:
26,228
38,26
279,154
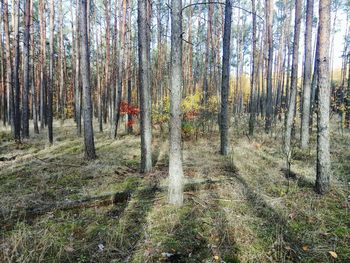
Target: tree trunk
323,169
26,71
61,54
253,76
43,116
175,155
144,23
77,92
294,80
85,75
51,72
224,118
9,82
269,20
307,75
16,90
33,79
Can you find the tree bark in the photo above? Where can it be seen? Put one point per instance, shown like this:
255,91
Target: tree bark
16,90
144,84
294,80
85,75
224,118
9,82
269,20
323,168
307,75
51,73
253,76
26,71
43,116
175,155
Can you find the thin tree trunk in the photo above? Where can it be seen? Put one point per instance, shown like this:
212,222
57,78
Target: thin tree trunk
144,84
51,73
307,76
77,92
16,90
323,168
43,116
224,120
26,71
85,75
33,78
294,80
269,19
253,76
175,155
61,54
9,82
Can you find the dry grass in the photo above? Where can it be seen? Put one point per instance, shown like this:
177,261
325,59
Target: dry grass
252,213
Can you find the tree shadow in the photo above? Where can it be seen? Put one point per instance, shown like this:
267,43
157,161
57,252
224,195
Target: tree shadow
288,245
301,180
131,223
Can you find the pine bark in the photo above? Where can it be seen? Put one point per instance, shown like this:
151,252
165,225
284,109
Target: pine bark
26,71
51,73
323,168
85,76
144,84
294,80
175,155
225,84
269,40
307,76
16,84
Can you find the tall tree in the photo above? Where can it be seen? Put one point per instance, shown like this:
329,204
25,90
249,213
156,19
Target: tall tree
253,75
51,72
175,155
9,83
16,89
307,75
144,84
323,169
33,78
85,76
77,84
294,80
43,116
61,97
269,40
224,119
26,71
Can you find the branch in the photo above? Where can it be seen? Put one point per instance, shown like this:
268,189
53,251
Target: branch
221,3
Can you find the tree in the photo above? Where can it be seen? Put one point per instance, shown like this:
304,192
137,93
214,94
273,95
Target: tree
225,79
9,83
43,116
144,84
16,85
253,75
323,168
175,155
269,40
51,72
305,122
85,76
294,79
26,71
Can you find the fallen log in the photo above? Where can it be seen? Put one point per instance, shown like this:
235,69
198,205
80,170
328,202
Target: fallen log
9,218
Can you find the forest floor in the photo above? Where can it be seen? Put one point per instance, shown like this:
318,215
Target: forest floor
58,207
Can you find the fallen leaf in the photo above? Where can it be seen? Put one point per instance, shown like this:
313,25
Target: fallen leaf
333,254
305,247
